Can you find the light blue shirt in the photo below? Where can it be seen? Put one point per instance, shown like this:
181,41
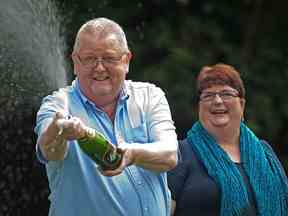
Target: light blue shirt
77,187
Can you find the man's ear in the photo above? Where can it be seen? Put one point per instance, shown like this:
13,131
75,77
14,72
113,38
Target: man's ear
129,56
127,68
75,63
127,60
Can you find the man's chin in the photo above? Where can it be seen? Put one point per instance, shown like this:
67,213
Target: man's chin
102,91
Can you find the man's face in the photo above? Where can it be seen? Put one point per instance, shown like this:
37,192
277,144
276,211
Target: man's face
100,65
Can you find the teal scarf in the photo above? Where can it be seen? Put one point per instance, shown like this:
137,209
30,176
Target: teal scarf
265,173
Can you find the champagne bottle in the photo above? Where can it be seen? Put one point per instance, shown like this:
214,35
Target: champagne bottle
99,149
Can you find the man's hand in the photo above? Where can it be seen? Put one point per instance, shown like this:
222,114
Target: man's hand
53,141
155,157
127,160
152,156
69,128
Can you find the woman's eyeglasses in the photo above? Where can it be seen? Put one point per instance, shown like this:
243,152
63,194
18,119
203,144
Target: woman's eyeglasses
225,95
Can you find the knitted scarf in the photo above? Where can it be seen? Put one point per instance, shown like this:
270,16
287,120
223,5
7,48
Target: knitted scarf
265,173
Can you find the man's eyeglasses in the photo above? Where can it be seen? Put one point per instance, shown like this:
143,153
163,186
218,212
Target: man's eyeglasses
225,95
106,61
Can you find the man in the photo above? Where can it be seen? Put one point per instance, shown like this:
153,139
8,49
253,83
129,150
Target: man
133,116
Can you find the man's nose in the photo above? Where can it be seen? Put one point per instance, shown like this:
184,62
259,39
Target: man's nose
98,65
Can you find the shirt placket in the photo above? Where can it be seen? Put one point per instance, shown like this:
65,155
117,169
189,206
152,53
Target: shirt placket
142,190
137,179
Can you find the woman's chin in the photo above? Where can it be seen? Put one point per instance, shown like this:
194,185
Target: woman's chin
220,122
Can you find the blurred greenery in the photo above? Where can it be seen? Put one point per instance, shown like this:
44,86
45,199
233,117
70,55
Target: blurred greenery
170,41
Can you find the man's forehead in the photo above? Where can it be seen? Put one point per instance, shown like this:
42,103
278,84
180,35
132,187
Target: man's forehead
107,37
112,38
99,34
108,40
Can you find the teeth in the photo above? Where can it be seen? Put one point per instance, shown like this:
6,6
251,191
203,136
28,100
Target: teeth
101,78
219,112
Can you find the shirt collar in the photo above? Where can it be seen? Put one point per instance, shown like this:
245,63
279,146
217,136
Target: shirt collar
124,95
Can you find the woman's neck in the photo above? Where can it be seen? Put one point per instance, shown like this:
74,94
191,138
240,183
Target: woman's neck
229,141
227,136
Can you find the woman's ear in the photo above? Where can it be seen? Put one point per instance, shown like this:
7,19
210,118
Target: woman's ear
242,103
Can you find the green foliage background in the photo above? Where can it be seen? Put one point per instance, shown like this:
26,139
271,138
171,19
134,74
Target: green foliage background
170,42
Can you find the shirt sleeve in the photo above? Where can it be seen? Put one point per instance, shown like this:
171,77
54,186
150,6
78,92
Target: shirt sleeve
161,125
50,104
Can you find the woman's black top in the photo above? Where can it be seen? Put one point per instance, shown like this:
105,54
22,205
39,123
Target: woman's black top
194,191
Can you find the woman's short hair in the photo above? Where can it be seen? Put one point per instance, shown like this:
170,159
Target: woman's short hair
220,74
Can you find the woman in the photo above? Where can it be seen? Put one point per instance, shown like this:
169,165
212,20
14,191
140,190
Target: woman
224,168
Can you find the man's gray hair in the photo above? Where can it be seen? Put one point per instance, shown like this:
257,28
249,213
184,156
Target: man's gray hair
104,27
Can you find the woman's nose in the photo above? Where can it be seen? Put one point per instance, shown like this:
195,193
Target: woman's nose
217,98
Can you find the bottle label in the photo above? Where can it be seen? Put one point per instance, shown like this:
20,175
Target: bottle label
100,150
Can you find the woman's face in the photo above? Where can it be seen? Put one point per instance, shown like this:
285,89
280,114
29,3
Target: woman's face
220,107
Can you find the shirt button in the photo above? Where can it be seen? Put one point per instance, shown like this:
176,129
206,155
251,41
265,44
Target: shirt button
145,209
139,182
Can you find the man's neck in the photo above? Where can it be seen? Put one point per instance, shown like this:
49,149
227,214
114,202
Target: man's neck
109,109
108,105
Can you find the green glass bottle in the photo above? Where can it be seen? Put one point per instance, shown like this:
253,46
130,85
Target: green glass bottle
95,145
